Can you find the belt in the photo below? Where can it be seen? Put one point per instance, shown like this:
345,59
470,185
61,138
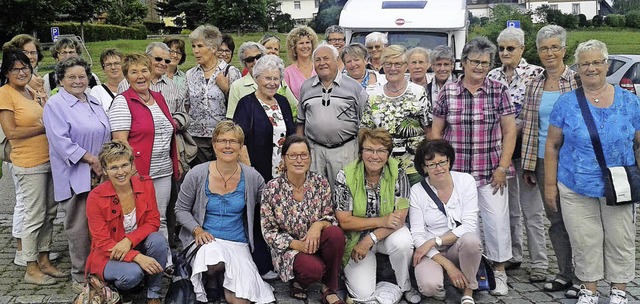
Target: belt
333,146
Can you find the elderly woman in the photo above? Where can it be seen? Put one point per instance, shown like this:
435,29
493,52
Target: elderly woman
444,227
64,48
372,197
375,43
418,58
335,36
306,245
476,116
266,117
442,64
111,63
602,236
524,200
354,57
402,108
126,246
21,121
301,41
216,208
249,53
271,44
207,86
178,56
76,127
541,94
141,118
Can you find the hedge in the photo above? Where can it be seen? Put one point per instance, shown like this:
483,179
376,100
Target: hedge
93,32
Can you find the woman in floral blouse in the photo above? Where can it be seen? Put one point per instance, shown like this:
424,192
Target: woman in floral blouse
299,226
401,107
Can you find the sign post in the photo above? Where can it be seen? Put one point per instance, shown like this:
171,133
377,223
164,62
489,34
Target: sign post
55,33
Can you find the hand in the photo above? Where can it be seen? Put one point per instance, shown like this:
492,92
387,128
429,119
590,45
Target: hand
298,245
223,83
148,264
529,178
312,239
457,277
361,249
551,197
392,221
421,252
499,180
180,172
120,250
203,237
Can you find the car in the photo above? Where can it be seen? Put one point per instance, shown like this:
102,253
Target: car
624,70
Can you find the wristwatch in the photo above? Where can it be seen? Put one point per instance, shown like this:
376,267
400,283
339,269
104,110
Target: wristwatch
438,241
373,237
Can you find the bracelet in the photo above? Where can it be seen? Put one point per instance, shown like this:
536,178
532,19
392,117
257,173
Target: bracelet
373,237
504,170
193,232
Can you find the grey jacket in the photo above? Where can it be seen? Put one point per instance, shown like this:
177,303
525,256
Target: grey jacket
192,200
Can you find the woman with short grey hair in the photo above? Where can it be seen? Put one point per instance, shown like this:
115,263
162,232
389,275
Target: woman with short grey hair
375,43
355,57
524,201
540,96
442,64
476,116
418,64
335,36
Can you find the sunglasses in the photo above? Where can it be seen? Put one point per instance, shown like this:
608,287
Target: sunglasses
159,59
252,58
509,49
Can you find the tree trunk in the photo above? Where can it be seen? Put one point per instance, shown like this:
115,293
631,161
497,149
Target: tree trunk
82,30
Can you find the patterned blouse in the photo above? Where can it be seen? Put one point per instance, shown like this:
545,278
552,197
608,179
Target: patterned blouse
284,219
279,134
523,75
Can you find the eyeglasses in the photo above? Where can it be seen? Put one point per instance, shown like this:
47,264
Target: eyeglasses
302,156
16,71
374,47
441,164
369,151
115,169
174,52
225,142
252,58
112,64
475,63
159,59
221,51
397,65
275,79
73,78
32,53
596,64
509,49
553,48
336,40
68,53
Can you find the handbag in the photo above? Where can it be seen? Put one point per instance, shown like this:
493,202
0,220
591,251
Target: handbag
5,147
96,291
181,290
485,276
621,183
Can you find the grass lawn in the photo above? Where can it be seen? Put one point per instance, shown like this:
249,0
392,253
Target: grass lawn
621,41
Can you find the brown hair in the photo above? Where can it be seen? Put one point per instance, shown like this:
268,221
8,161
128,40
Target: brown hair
133,59
377,135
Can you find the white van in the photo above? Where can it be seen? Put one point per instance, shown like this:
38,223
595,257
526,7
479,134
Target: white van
412,23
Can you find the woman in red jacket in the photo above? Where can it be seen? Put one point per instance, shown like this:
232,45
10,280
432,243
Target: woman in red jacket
124,220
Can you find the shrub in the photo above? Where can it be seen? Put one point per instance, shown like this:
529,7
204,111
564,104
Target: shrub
582,20
154,27
633,19
93,32
615,20
597,21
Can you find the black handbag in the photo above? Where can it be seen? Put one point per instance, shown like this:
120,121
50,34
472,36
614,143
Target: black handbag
485,276
181,290
621,183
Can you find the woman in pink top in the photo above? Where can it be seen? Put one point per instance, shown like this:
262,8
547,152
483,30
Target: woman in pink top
301,42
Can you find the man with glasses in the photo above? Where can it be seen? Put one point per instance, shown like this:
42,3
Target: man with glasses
64,48
524,200
329,113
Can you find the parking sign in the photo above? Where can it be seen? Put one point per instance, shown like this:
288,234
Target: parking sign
513,23
55,33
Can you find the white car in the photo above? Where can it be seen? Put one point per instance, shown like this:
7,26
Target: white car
624,70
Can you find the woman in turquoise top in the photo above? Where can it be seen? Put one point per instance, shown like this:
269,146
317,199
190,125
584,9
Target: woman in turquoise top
602,236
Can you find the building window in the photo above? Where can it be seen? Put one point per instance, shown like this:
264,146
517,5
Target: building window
553,6
575,8
296,5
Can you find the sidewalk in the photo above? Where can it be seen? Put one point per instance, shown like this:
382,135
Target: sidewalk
12,290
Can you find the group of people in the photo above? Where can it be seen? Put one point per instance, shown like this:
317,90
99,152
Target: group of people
307,171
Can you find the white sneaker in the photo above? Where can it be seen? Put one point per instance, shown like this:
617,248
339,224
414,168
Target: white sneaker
19,259
617,296
586,296
271,275
501,284
412,296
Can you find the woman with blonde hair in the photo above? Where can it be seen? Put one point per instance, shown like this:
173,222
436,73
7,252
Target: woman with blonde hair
301,42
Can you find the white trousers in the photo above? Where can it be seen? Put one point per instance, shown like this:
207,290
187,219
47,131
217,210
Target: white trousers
494,211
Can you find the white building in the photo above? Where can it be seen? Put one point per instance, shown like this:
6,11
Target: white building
302,11
590,8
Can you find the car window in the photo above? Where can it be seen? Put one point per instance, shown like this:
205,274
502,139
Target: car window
614,65
409,39
633,73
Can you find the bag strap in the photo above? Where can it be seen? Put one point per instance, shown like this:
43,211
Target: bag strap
106,88
591,126
436,199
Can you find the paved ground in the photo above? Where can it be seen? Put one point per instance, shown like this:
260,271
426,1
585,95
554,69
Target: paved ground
13,290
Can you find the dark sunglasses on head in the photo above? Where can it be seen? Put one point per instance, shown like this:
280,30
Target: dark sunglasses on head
252,58
158,59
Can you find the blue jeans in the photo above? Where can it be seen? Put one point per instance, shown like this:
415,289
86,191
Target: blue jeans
127,275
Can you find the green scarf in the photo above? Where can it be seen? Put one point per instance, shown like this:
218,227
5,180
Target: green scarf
355,180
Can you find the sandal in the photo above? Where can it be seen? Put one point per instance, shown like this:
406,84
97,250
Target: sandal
467,300
572,292
327,293
557,285
296,291
537,275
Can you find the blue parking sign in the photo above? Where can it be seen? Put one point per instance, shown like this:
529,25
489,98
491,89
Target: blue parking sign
513,23
55,33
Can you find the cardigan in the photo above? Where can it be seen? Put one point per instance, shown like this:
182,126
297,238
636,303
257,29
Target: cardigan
141,122
191,205
258,130
105,218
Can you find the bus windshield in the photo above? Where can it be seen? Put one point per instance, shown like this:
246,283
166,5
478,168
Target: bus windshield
409,39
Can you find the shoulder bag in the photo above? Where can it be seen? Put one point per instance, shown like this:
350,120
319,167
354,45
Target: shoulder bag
181,290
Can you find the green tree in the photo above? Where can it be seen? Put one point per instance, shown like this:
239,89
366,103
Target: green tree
328,14
239,15
26,16
126,12
624,6
195,11
84,10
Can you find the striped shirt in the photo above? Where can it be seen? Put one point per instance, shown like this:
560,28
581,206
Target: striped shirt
473,126
175,97
530,118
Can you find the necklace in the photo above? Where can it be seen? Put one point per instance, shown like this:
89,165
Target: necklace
211,68
222,176
146,101
396,90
